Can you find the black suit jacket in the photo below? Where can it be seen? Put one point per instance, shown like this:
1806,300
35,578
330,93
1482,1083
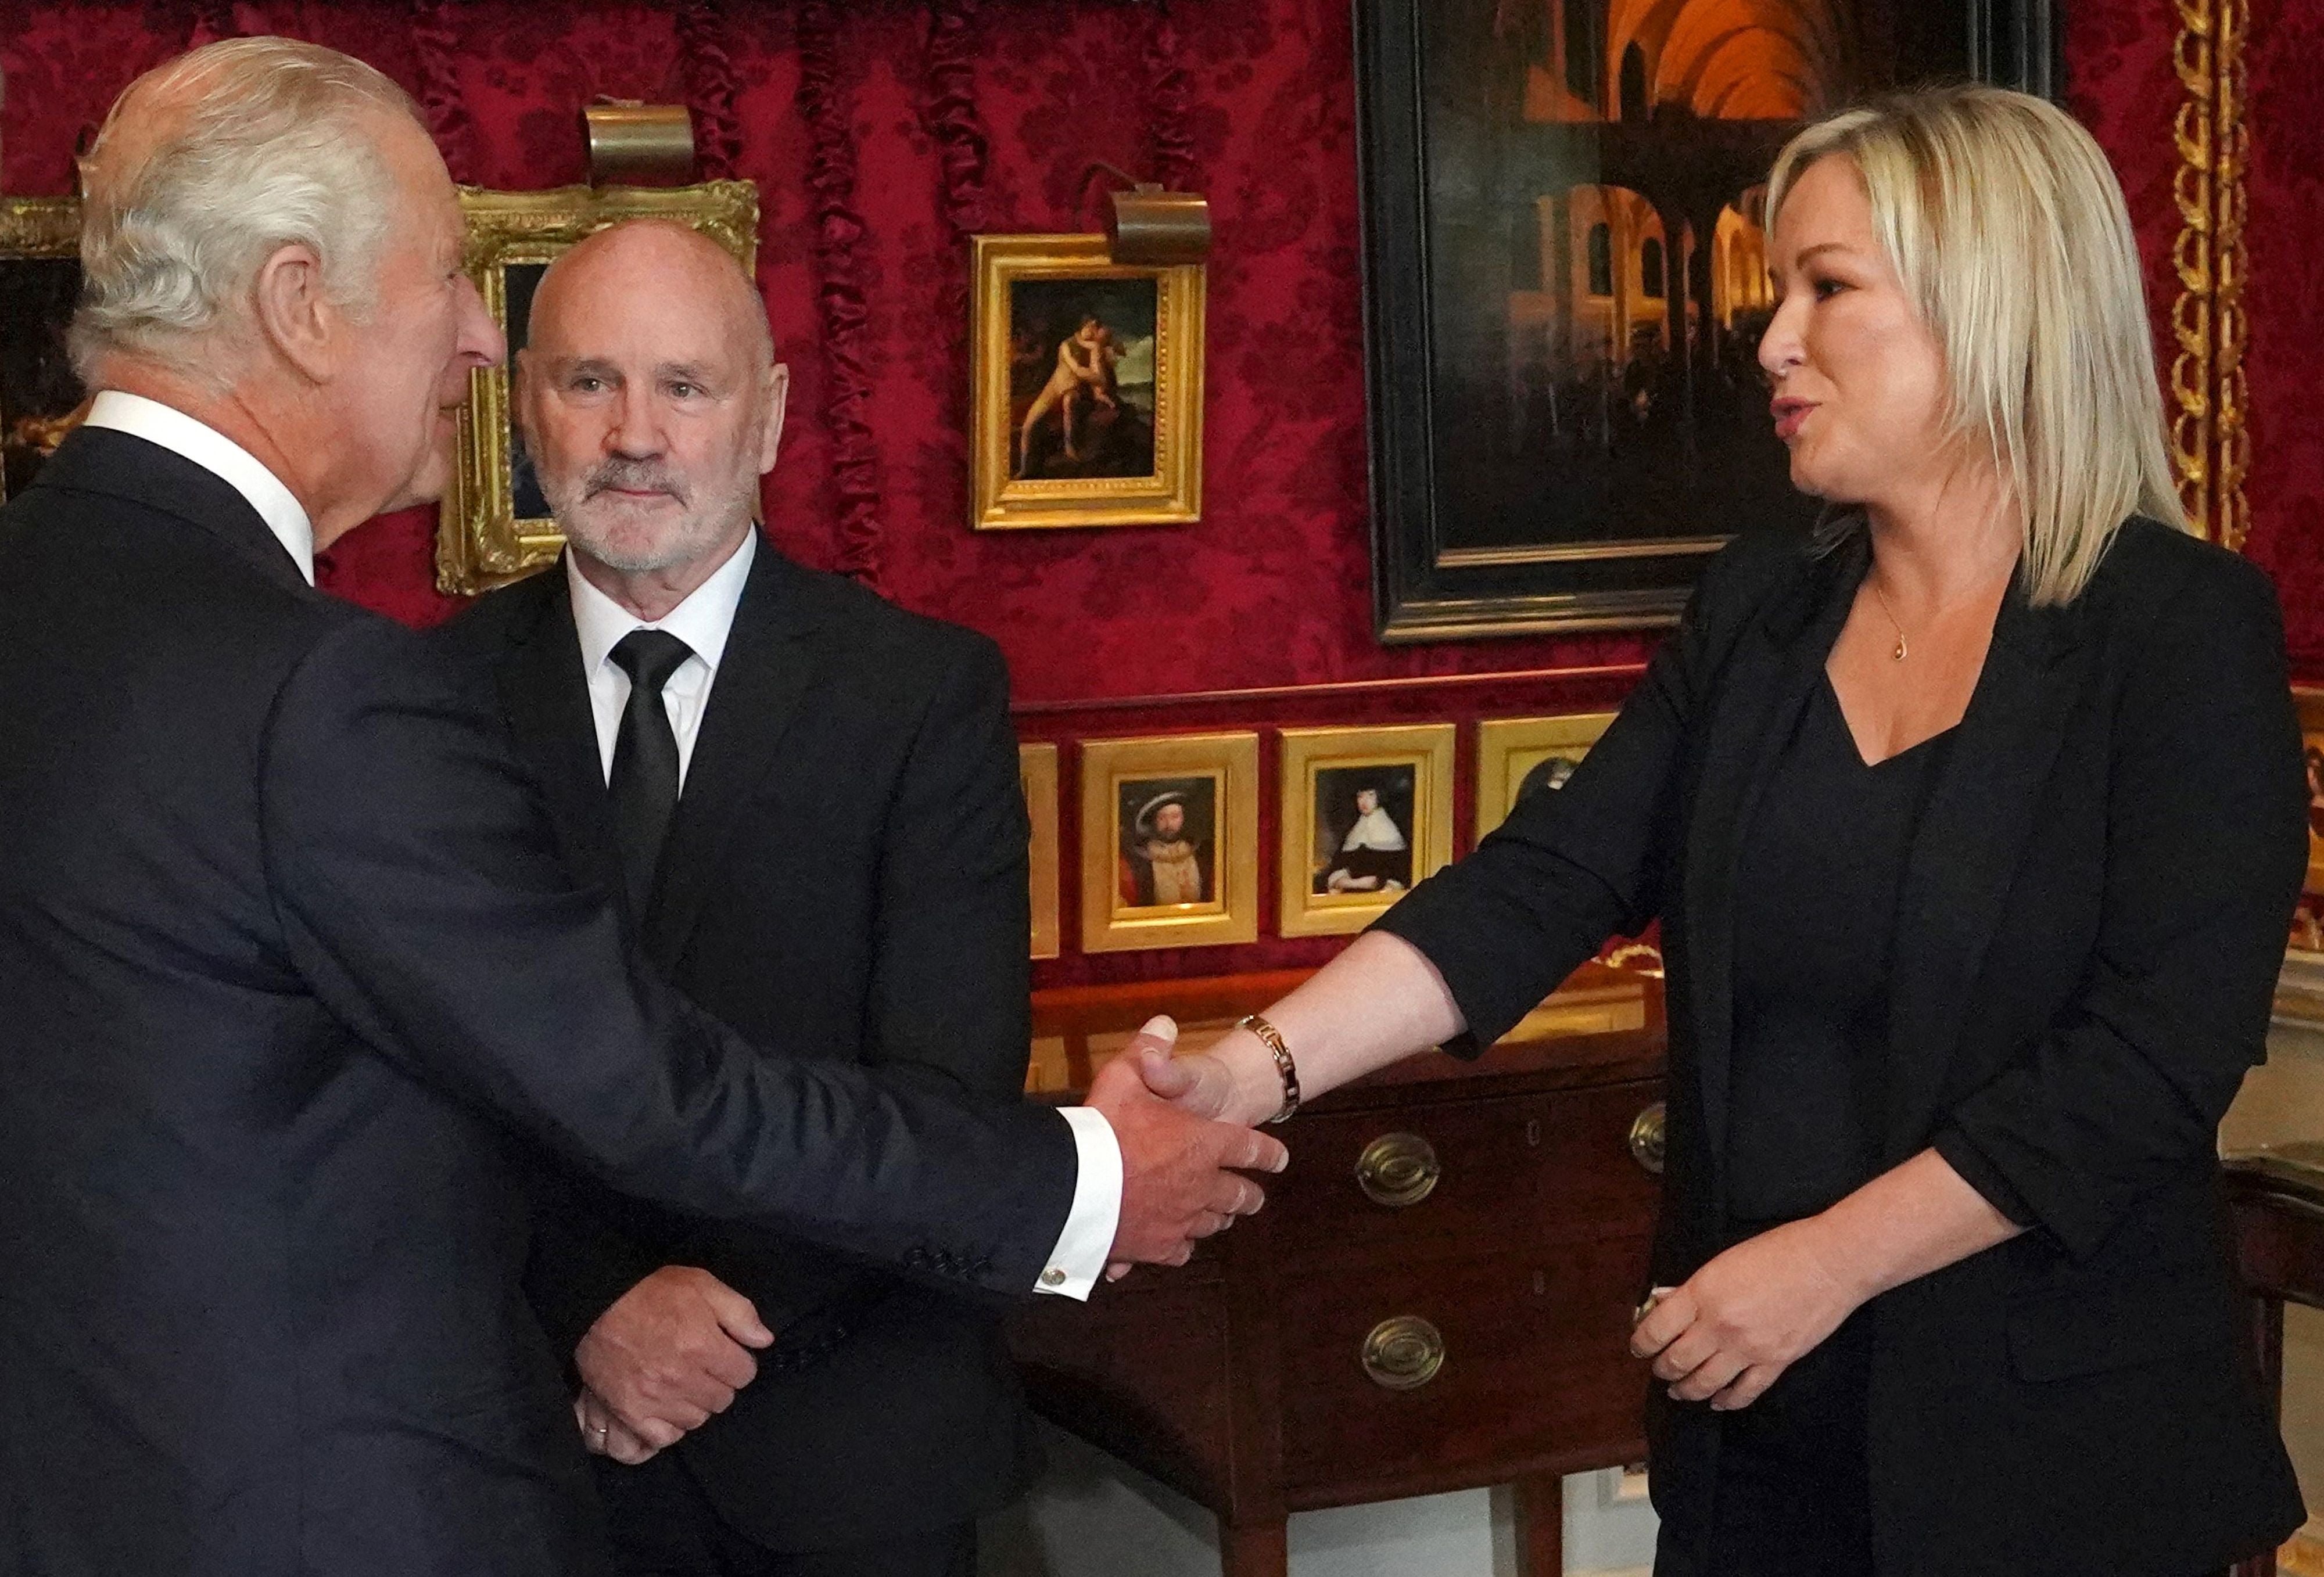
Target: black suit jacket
844,878
2093,914
288,955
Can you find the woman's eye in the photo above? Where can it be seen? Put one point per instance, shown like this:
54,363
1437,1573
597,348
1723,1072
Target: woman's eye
1827,289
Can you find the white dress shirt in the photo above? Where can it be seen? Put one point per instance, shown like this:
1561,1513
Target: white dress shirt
214,452
702,620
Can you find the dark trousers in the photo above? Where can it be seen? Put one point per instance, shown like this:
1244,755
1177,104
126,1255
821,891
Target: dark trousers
663,1526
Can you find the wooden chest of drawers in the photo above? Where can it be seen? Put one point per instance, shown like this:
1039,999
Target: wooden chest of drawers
1437,1296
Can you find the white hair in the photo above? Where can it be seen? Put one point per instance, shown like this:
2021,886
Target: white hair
2008,229
260,145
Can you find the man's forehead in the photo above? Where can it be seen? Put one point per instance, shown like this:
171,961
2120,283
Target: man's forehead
645,291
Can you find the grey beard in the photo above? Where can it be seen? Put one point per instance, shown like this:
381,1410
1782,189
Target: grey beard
696,531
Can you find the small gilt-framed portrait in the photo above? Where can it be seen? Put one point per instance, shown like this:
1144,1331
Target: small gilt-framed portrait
1517,756
2311,739
496,526
41,395
1085,386
1036,771
1169,842
1367,813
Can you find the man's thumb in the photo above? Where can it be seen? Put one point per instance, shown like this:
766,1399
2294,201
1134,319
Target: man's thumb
738,1318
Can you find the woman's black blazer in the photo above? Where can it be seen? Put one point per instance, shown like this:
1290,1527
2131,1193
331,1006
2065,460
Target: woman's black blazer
2094,911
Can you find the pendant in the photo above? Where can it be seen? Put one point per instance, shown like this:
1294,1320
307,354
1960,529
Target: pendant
1899,653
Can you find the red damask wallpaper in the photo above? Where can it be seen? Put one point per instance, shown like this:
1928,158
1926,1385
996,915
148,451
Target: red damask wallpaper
881,134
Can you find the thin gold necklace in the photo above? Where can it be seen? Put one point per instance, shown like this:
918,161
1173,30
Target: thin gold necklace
1899,654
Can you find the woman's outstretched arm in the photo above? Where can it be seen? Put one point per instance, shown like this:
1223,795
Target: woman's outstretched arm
1378,1002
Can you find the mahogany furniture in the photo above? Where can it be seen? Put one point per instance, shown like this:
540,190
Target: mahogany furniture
1437,1296
2276,1199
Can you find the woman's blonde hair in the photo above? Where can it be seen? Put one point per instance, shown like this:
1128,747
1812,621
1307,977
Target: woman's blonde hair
2008,229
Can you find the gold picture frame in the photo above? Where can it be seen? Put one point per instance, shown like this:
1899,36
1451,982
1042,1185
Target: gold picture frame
1152,880
1510,750
1031,409
1036,771
487,536
36,302
1347,858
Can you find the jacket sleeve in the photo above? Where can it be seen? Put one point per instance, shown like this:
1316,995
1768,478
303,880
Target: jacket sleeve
421,896
1573,866
950,978
2207,843
587,1251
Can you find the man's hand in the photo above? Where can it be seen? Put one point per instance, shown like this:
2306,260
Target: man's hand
672,1352
1747,1315
604,1434
1179,1181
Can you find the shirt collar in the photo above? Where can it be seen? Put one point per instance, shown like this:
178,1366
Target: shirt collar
214,452
702,620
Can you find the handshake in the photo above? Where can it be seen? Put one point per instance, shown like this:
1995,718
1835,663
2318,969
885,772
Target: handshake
674,1349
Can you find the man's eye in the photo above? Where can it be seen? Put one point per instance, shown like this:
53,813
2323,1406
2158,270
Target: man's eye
585,384
684,391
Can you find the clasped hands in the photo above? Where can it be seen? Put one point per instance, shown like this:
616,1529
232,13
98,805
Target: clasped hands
1730,1330
673,1350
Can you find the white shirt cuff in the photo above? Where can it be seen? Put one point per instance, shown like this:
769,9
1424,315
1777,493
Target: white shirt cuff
1079,1258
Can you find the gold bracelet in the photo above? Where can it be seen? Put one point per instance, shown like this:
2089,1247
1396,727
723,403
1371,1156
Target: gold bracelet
1272,1038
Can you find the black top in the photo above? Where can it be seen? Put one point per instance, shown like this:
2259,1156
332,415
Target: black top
2087,940
1816,917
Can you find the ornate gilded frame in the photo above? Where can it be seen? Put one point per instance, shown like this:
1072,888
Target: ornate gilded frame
1426,749
1173,494
1507,748
1036,772
1230,761
2210,443
39,227
480,541
36,229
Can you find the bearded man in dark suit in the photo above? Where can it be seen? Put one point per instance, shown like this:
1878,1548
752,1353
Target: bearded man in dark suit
844,874
290,966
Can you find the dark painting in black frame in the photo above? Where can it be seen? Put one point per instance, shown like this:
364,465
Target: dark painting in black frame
1565,279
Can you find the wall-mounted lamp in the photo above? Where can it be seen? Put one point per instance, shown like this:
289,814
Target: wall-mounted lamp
638,144
1148,226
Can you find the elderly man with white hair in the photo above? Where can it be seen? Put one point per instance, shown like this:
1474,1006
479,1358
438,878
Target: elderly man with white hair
293,978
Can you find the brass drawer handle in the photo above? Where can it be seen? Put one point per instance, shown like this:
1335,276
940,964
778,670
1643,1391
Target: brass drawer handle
1646,1138
1404,1353
1398,1169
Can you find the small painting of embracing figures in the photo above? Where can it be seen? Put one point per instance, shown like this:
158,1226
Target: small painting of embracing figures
1087,386
1081,377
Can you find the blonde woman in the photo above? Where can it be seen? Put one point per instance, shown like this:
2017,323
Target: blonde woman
1973,826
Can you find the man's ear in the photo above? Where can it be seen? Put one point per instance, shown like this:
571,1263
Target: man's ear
770,437
294,316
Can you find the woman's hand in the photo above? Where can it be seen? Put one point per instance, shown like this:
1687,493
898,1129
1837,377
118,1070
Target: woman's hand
1747,1315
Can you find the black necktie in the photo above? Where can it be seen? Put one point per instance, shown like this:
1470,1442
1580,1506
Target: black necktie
644,780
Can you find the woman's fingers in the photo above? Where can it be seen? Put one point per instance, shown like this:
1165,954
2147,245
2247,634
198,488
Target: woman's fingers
1747,1386
1709,1378
1669,1310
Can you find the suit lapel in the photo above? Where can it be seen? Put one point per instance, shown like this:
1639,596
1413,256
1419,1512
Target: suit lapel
1761,693
547,699
770,662
1966,852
